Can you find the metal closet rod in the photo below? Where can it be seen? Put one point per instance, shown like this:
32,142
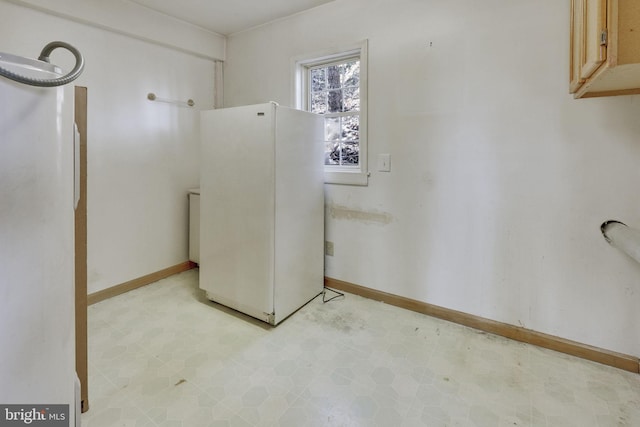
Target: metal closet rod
152,97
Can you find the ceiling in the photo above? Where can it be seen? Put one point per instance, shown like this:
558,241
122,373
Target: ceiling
228,17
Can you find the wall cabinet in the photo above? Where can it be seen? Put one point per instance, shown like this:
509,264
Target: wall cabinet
605,48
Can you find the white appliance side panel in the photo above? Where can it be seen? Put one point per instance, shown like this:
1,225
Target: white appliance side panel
299,244
36,245
237,208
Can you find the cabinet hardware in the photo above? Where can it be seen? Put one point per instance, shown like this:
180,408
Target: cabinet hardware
603,38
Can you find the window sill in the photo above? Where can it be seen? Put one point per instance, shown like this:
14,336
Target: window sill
346,177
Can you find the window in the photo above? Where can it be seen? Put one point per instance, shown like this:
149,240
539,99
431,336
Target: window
334,84
334,91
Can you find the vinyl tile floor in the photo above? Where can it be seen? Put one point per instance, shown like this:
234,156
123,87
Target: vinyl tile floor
165,356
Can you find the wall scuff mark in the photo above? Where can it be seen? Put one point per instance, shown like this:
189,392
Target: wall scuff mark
353,214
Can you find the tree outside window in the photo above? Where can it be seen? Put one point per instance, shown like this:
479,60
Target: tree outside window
334,91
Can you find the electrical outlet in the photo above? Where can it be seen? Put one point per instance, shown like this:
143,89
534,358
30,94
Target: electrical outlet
328,248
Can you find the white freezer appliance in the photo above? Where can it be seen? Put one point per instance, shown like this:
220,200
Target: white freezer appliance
262,209
37,309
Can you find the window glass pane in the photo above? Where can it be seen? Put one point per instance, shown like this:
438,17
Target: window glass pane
350,153
333,77
334,101
351,100
332,153
318,79
332,128
350,74
351,128
319,103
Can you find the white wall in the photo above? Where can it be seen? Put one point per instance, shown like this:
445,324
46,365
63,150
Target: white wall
499,181
142,155
131,19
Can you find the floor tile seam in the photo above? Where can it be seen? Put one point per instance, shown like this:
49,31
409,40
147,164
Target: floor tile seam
114,328
97,367
319,406
350,345
392,400
201,383
96,321
387,344
307,400
158,349
106,377
118,390
293,404
193,383
261,422
149,355
146,410
236,413
87,417
171,371
500,405
297,395
499,398
365,384
115,389
417,403
202,343
283,390
211,360
120,328
145,413
397,363
139,376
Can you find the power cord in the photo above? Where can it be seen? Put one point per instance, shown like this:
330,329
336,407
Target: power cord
324,295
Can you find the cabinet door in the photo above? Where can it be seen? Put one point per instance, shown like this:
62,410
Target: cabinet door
594,50
576,45
588,49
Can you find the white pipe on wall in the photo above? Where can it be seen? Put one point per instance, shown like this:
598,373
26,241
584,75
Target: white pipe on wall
622,237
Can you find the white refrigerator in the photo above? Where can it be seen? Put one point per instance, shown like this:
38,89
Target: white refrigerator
37,308
262,209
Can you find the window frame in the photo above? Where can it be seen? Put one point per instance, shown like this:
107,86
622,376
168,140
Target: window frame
336,174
